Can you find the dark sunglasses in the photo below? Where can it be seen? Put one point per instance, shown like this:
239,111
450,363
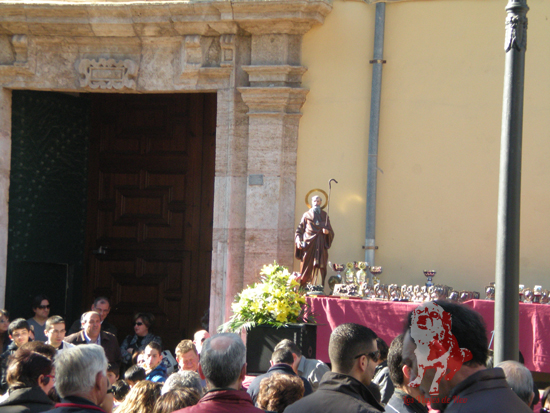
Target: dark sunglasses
373,355
44,307
138,324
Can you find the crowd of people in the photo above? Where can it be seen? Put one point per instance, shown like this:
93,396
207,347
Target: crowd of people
87,371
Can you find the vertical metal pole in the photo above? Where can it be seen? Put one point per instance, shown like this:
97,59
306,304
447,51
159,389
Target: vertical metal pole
508,230
374,126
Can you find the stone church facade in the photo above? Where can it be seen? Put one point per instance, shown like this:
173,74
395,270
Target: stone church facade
248,52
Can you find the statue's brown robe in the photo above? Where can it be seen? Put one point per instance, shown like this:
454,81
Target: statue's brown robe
314,255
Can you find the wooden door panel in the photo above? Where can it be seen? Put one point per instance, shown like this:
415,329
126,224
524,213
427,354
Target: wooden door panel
151,196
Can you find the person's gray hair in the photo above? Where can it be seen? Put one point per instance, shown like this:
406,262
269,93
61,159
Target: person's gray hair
84,317
519,378
222,359
183,379
76,369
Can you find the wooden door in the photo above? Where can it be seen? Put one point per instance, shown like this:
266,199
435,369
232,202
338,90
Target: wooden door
151,208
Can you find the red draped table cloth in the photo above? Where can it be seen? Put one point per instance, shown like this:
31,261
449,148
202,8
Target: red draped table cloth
387,319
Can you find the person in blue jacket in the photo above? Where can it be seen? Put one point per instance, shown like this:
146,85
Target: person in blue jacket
156,370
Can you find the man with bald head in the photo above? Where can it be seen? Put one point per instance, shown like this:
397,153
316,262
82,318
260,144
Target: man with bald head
91,334
223,366
313,238
199,338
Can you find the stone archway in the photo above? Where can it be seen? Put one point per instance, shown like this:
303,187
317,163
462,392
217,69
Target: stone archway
249,52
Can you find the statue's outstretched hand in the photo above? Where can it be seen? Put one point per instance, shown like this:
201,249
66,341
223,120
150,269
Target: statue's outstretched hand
325,231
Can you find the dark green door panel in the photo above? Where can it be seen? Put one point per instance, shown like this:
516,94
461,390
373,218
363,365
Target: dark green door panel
48,198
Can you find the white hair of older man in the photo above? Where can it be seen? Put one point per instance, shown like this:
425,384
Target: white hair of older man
76,369
183,379
519,378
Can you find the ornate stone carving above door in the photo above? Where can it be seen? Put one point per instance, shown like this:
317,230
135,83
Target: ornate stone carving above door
107,73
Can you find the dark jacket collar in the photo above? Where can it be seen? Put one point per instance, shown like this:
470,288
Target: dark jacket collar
77,400
25,395
282,368
104,335
348,385
484,379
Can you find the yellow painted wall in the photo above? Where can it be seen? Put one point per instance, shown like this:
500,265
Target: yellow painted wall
439,137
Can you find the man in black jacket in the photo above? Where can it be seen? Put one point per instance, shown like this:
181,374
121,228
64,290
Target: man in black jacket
282,362
91,334
353,354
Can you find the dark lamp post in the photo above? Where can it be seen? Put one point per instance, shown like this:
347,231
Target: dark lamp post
508,229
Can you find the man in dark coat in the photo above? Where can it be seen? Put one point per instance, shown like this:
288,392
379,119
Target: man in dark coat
81,379
282,362
91,334
30,378
313,238
472,387
102,306
223,365
353,354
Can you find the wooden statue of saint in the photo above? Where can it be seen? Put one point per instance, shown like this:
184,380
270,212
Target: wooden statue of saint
313,238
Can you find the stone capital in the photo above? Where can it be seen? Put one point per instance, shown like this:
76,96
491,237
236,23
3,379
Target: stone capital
275,75
273,100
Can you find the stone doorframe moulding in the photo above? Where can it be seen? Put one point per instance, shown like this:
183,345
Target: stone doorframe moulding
248,51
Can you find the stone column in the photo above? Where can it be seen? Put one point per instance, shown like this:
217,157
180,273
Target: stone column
274,99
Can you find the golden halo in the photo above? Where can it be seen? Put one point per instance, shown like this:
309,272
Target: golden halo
316,190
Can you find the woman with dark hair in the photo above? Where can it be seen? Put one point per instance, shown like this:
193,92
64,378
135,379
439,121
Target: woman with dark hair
4,324
134,343
30,378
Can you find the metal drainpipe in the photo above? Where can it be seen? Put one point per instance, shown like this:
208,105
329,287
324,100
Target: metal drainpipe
372,170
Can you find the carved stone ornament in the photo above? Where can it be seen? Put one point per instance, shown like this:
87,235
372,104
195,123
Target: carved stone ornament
108,73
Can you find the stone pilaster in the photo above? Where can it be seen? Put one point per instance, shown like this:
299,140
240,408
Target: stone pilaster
274,113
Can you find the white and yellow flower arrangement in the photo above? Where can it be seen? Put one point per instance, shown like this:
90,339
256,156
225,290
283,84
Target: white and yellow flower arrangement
277,301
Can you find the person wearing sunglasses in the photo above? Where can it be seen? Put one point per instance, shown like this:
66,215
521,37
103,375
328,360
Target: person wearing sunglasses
41,308
353,354
138,341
